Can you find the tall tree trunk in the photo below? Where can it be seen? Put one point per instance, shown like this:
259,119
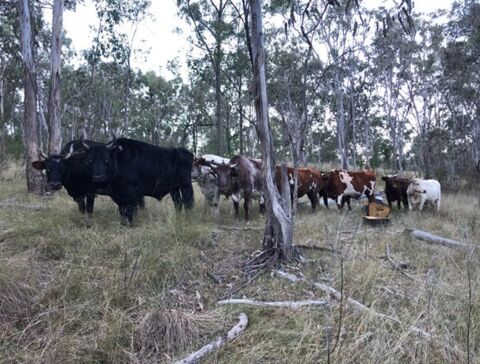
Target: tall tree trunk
54,98
278,234
240,111
2,116
35,180
218,106
342,146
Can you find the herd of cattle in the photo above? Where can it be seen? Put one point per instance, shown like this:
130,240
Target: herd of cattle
127,170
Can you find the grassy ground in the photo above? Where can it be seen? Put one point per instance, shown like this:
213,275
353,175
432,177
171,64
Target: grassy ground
84,291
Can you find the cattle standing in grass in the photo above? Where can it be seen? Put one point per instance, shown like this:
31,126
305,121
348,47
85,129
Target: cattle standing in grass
241,178
203,174
396,190
420,191
68,169
134,169
343,185
310,183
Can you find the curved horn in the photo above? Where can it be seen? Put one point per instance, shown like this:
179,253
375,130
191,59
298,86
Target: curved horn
42,154
70,152
85,145
233,165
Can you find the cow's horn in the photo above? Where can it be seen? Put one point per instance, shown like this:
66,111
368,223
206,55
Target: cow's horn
233,165
70,152
85,145
42,154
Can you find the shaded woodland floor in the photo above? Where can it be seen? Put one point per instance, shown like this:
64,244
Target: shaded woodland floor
83,291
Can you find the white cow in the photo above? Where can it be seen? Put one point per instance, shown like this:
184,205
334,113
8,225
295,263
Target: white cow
420,191
206,179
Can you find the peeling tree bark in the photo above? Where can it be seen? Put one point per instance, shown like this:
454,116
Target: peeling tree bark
54,99
278,234
35,179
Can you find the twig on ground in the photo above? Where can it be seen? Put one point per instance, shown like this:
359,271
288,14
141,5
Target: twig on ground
288,304
217,343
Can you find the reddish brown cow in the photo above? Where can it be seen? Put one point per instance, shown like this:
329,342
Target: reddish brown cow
396,190
310,183
343,185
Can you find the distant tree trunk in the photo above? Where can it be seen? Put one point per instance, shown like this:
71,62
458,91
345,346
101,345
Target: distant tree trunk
35,180
54,98
218,104
342,146
2,116
240,112
278,235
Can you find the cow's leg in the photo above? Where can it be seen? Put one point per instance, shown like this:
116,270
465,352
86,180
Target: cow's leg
246,206
438,204
313,197
141,202
236,203
422,202
399,204
261,202
340,202
187,196
405,202
410,206
127,212
177,199
325,200
90,203
348,203
81,205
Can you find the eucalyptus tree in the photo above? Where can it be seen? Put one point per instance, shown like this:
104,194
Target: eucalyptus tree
54,99
35,179
213,26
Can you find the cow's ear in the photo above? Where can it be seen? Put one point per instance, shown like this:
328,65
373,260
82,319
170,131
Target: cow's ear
40,165
384,178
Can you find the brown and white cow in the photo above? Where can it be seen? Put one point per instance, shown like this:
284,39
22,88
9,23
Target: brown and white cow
396,190
343,185
241,178
310,183
203,174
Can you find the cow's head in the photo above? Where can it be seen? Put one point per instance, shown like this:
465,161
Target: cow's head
226,175
101,160
56,167
416,186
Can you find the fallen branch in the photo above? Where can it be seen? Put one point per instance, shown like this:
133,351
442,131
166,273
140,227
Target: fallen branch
438,240
357,305
243,228
13,203
288,304
217,343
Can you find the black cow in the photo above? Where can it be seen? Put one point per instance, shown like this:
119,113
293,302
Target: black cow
134,169
70,170
396,190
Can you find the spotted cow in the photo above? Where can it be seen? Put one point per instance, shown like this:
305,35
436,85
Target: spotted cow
343,185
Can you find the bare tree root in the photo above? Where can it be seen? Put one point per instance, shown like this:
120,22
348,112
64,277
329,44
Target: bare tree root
294,305
234,332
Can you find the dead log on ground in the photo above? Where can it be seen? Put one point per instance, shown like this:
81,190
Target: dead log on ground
217,343
438,240
357,305
294,305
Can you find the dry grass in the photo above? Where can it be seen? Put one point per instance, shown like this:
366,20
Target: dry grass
74,290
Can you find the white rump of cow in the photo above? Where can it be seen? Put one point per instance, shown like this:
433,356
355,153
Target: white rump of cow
420,191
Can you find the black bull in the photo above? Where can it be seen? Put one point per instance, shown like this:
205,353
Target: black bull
133,169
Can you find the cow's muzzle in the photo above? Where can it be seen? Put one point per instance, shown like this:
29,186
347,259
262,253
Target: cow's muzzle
55,185
99,178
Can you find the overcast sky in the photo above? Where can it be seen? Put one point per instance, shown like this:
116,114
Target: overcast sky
157,34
